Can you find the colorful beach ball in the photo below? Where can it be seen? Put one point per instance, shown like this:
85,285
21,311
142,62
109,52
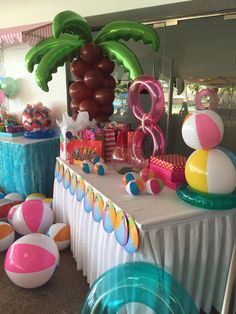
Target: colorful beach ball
211,171
60,233
32,216
146,174
7,235
5,206
135,187
153,186
35,196
31,260
203,130
100,168
87,166
12,212
14,197
129,176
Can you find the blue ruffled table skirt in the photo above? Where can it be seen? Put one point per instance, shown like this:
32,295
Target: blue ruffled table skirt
28,168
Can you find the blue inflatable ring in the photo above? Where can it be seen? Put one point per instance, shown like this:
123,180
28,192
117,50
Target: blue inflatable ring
140,283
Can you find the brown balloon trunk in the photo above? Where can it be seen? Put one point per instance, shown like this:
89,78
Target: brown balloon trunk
93,91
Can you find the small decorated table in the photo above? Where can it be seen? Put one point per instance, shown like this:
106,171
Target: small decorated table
27,165
193,245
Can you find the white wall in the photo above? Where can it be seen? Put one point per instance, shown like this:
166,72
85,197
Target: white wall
30,93
22,12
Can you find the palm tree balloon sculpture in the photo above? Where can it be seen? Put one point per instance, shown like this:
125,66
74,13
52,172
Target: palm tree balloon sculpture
92,63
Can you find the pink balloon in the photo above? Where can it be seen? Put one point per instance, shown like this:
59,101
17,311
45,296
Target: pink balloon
149,119
2,97
213,102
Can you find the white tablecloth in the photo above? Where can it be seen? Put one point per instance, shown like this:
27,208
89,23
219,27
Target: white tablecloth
193,245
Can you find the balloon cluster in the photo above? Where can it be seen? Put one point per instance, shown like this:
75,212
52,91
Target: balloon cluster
36,118
94,90
8,87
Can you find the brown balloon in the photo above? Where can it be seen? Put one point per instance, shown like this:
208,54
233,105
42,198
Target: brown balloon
109,81
105,65
93,78
101,118
104,96
90,53
91,106
74,105
80,91
108,110
78,68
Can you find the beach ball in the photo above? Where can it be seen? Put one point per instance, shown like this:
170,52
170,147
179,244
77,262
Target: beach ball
87,166
31,260
32,216
60,233
109,217
5,206
133,236
135,187
98,208
211,171
80,191
12,212
146,174
14,197
153,186
100,168
7,236
121,228
48,201
128,177
35,196
203,130
89,199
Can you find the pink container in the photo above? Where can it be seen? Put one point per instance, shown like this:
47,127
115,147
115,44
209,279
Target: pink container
170,175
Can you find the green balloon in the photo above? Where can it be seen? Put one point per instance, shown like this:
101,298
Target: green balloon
128,30
123,56
9,86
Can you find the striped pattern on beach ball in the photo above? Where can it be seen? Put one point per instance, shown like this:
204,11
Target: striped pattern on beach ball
67,179
35,196
12,212
7,235
60,233
5,206
133,238
89,199
203,130
60,175
100,168
14,197
211,171
135,187
121,228
153,186
32,216
129,176
109,217
31,260
98,207
80,189
73,184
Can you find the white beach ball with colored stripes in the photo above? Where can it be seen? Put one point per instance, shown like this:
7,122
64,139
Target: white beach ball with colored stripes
203,129
60,233
7,235
31,260
32,216
211,171
35,196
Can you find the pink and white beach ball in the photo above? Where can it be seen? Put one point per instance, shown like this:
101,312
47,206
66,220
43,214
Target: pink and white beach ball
60,233
12,212
203,129
31,260
33,216
7,235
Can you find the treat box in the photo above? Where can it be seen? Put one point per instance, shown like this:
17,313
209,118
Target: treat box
170,167
6,134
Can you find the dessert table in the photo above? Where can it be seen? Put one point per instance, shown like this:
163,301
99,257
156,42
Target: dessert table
193,245
27,165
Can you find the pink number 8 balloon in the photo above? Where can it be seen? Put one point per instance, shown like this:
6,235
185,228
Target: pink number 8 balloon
213,101
149,119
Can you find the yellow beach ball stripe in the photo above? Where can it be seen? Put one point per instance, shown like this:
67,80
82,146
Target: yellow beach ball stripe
196,170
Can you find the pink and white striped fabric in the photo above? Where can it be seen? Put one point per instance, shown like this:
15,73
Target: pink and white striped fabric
28,33
110,143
